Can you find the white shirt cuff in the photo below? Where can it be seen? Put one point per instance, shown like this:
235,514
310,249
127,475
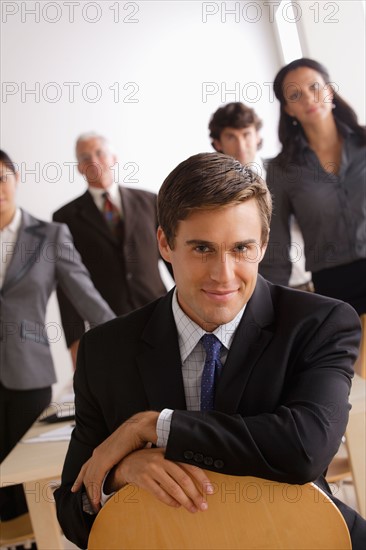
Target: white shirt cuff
103,496
163,427
87,507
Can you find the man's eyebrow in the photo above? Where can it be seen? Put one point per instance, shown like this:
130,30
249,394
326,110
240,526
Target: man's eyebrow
200,242
246,241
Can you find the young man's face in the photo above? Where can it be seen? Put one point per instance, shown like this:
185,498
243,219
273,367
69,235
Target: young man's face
215,261
95,162
240,143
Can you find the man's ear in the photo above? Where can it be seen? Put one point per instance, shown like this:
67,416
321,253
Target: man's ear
263,251
258,139
217,145
164,247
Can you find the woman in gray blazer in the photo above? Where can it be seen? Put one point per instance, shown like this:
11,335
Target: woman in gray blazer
35,257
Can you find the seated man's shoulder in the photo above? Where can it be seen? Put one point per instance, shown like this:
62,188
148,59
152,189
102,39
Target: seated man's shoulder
128,327
300,303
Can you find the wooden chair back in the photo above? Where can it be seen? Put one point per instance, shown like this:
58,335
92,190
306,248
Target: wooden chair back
243,513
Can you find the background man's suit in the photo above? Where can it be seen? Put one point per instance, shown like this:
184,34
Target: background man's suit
282,395
126,274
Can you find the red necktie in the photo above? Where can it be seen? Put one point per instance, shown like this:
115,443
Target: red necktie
112,217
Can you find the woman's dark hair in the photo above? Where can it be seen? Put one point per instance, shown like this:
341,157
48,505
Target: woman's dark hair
288,133
5,159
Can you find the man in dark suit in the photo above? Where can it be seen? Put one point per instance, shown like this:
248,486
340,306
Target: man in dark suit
123,264
271,400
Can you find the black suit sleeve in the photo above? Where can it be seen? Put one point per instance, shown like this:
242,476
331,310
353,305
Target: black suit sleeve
296,442
90,431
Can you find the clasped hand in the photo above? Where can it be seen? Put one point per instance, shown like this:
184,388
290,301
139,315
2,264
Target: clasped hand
125,456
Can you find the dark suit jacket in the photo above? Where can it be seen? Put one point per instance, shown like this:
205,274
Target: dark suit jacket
43,256
281,403
127,274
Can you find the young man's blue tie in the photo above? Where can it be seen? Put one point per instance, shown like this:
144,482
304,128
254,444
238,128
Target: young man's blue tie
211,370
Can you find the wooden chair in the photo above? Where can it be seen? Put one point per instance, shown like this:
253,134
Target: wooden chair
349,463
243,513
16,531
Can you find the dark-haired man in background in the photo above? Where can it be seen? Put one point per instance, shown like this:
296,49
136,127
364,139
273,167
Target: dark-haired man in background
235,131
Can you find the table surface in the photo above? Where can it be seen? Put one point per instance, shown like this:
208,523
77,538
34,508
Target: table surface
35,461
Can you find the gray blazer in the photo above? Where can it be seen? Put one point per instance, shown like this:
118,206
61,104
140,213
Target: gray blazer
44,256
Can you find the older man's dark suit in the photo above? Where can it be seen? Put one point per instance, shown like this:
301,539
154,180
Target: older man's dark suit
126,274
281,403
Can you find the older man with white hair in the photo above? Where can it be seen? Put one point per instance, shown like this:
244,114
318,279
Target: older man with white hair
114,229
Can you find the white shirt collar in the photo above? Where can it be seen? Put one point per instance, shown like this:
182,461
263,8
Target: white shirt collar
114,194
189,333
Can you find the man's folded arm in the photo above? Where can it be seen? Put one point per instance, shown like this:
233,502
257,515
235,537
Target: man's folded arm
296,442
89,432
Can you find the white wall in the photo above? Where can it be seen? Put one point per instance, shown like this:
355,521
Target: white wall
173,63
334,33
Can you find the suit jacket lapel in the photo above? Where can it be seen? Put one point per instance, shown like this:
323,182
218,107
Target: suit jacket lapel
159,361
27,251
91,215
251,338
160,357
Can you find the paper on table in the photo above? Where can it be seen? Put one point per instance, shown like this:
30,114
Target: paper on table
59,434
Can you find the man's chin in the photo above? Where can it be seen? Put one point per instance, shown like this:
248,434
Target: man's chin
219,318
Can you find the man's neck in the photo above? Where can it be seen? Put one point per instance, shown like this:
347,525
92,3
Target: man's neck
6,218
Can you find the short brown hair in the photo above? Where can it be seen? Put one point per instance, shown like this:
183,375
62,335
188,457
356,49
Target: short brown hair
207,181
233,115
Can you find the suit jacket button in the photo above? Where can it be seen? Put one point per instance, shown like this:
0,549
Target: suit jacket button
208,460
198,457
218,464
129,276
188,455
